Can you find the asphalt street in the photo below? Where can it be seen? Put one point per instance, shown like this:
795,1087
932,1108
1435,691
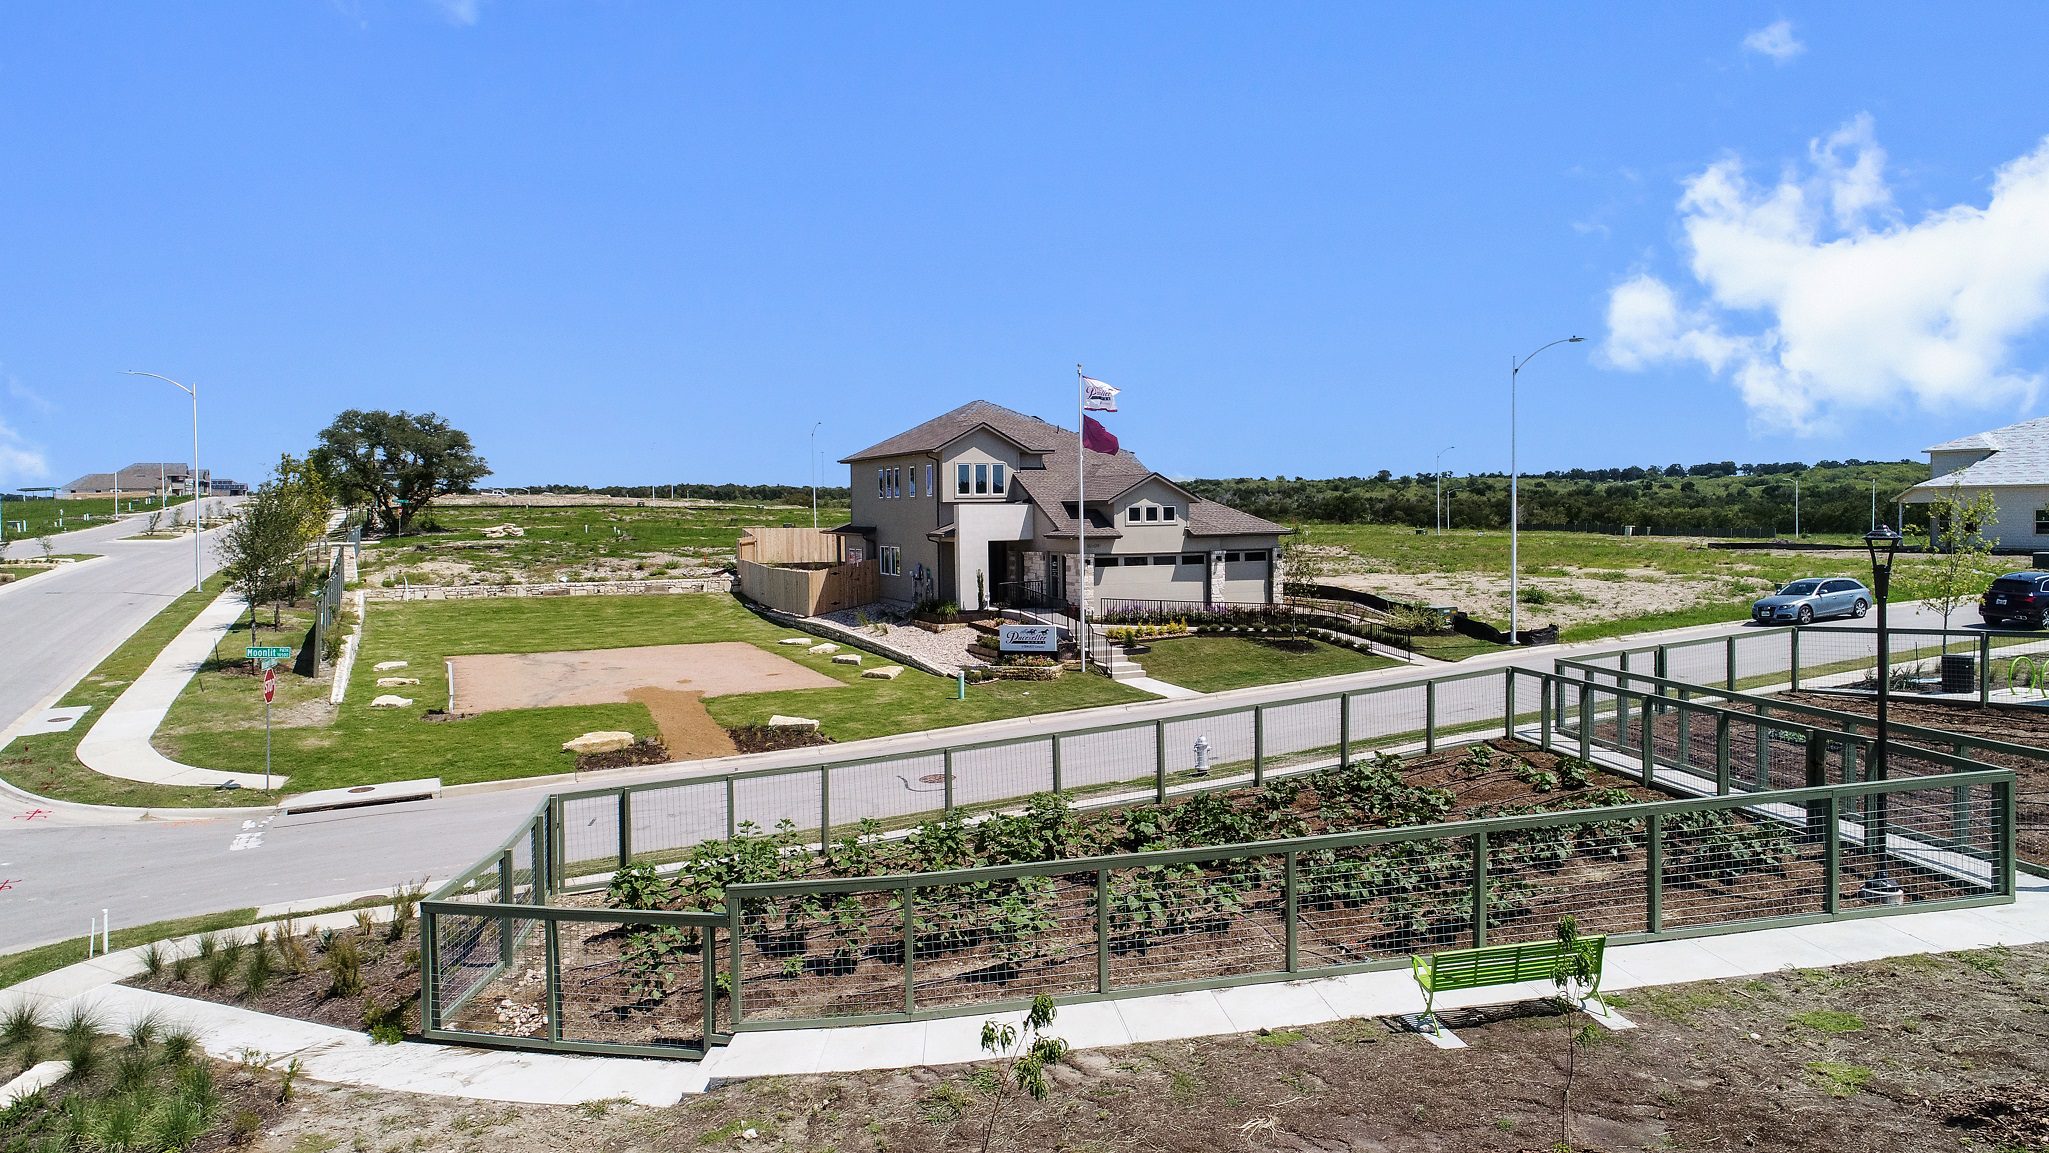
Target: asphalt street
59,870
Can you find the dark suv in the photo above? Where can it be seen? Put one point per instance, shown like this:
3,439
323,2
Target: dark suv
2017,596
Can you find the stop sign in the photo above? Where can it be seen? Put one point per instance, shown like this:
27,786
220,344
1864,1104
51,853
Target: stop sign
269,685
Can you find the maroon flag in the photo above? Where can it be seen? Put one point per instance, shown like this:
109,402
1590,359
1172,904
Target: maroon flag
1096,438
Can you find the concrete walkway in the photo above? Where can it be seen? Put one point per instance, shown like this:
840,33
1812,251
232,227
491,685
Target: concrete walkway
345,1057
119,744
1160,688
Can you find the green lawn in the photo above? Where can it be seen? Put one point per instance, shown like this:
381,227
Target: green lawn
43,515
1213,664
48,765
365,745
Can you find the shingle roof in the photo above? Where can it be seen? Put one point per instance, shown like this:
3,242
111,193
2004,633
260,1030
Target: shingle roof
2020,455
1029,432
1209,518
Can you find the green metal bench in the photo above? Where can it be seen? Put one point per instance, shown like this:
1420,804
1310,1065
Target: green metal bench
1500,965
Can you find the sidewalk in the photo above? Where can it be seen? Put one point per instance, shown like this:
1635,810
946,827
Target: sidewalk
345,1057
118,744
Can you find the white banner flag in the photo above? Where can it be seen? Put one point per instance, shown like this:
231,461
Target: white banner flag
1097,396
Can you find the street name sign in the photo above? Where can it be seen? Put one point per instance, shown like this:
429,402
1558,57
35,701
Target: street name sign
269,652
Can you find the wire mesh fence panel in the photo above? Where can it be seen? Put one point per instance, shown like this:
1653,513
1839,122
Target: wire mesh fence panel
1223,743
1380,901
832,955
1595,871
897,792
766,803
1108,760
1471,705
1835,658
1388,718
590,837
1937,844
1002,774
671,820
628,984
1299,734
1526,707
490,974
1726,864
1223,918
1700,663
1004,940
523,877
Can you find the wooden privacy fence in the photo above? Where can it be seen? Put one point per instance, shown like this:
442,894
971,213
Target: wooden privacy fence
789,546
810,592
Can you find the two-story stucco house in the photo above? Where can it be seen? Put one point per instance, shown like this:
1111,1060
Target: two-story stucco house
977,506
2012,464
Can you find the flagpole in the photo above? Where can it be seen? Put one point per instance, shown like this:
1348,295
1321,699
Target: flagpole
1081,519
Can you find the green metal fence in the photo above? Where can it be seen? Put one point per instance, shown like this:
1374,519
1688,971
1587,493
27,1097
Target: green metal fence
1762,835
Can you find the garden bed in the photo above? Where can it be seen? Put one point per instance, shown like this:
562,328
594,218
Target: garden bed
646,751
771,738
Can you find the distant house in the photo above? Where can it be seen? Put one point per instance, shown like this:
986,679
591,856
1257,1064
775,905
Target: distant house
978,506
2012,464
139,479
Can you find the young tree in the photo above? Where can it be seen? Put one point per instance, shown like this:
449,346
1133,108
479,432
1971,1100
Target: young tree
1963,562
1573,976
259,550
1026,1055
395,462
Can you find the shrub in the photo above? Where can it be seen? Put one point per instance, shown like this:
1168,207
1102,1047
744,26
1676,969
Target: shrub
639,887
258,972
344,968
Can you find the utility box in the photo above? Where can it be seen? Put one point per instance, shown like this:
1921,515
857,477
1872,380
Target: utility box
1959,674
2041,560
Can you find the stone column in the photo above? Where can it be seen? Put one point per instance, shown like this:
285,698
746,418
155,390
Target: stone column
1216,576
1276,577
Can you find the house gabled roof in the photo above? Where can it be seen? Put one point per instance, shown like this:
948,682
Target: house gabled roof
1026,432
2019,456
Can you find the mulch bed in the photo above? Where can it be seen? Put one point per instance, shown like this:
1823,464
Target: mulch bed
646,751
770,738
390,976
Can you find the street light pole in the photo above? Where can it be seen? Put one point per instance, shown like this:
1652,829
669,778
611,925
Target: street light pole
1438,507
1515,368
1882,543
197,509
814,474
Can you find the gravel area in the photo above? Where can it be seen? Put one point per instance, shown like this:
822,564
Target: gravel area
946,651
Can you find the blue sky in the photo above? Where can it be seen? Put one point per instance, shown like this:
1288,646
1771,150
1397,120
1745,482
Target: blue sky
653,242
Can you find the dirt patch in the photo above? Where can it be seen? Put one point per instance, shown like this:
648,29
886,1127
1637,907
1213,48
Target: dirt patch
770,738
1575,598
687,729
637,753
1946,1049
493,682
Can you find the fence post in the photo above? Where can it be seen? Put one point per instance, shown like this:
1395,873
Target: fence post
625,828
1480,889
504,898
1729,647
1659,664
910,949
551,970
1288,888
1430,716
1056,762
1796,658
1508,701
1548,691
1721,753
1682,723
2004,804
1258,745
1764,748
946,761
1344,730
1585,721
537,846
558,865
1654,866
1102,930
1831,852
1160,762
1645,720
1984,670
710,976
824,807
732,817
430,969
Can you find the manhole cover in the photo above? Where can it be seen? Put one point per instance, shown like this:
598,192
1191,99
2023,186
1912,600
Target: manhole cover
363,789
932,779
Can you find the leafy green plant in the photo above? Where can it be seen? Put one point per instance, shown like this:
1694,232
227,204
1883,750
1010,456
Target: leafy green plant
653,960
1020,925
1539,780
344,964
638,886
1573,772
1573,976
1026,1052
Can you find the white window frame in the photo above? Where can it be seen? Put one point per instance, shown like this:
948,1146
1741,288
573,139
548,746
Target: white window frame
913,479
996,479
891,558
931,489
963,479
881,484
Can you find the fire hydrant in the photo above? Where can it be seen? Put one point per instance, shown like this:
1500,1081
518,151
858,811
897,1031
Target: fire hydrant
1202,756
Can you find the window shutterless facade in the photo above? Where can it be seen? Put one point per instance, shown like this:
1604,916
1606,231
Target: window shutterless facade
963,479
996,479
930,488
2042,522
891,559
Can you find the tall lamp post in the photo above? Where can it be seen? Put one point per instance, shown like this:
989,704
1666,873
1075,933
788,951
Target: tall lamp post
197,510
1439,471
814,475
1882,543
1515,368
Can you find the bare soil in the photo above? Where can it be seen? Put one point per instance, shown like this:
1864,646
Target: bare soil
496,681
687,729
1911,1055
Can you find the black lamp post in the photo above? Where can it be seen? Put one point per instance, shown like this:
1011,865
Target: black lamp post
1882,543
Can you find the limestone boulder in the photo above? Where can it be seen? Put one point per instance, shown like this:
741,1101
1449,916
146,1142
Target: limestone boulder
847,659
822,650
392,701
884,673
780,721
598,742
387,666
794,641
396,682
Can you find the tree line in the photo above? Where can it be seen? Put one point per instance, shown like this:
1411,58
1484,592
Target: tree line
1716,498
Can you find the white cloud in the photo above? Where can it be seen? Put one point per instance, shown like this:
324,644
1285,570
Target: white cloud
1817,297
19,460
1775,40
462,12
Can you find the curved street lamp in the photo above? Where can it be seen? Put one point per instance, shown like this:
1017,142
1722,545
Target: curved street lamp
1515,368
1438,471
198,509
1883,544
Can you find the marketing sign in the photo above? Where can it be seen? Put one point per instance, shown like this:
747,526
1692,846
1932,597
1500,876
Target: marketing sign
1029,638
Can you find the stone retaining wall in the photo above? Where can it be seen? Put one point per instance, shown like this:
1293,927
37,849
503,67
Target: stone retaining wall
717,584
